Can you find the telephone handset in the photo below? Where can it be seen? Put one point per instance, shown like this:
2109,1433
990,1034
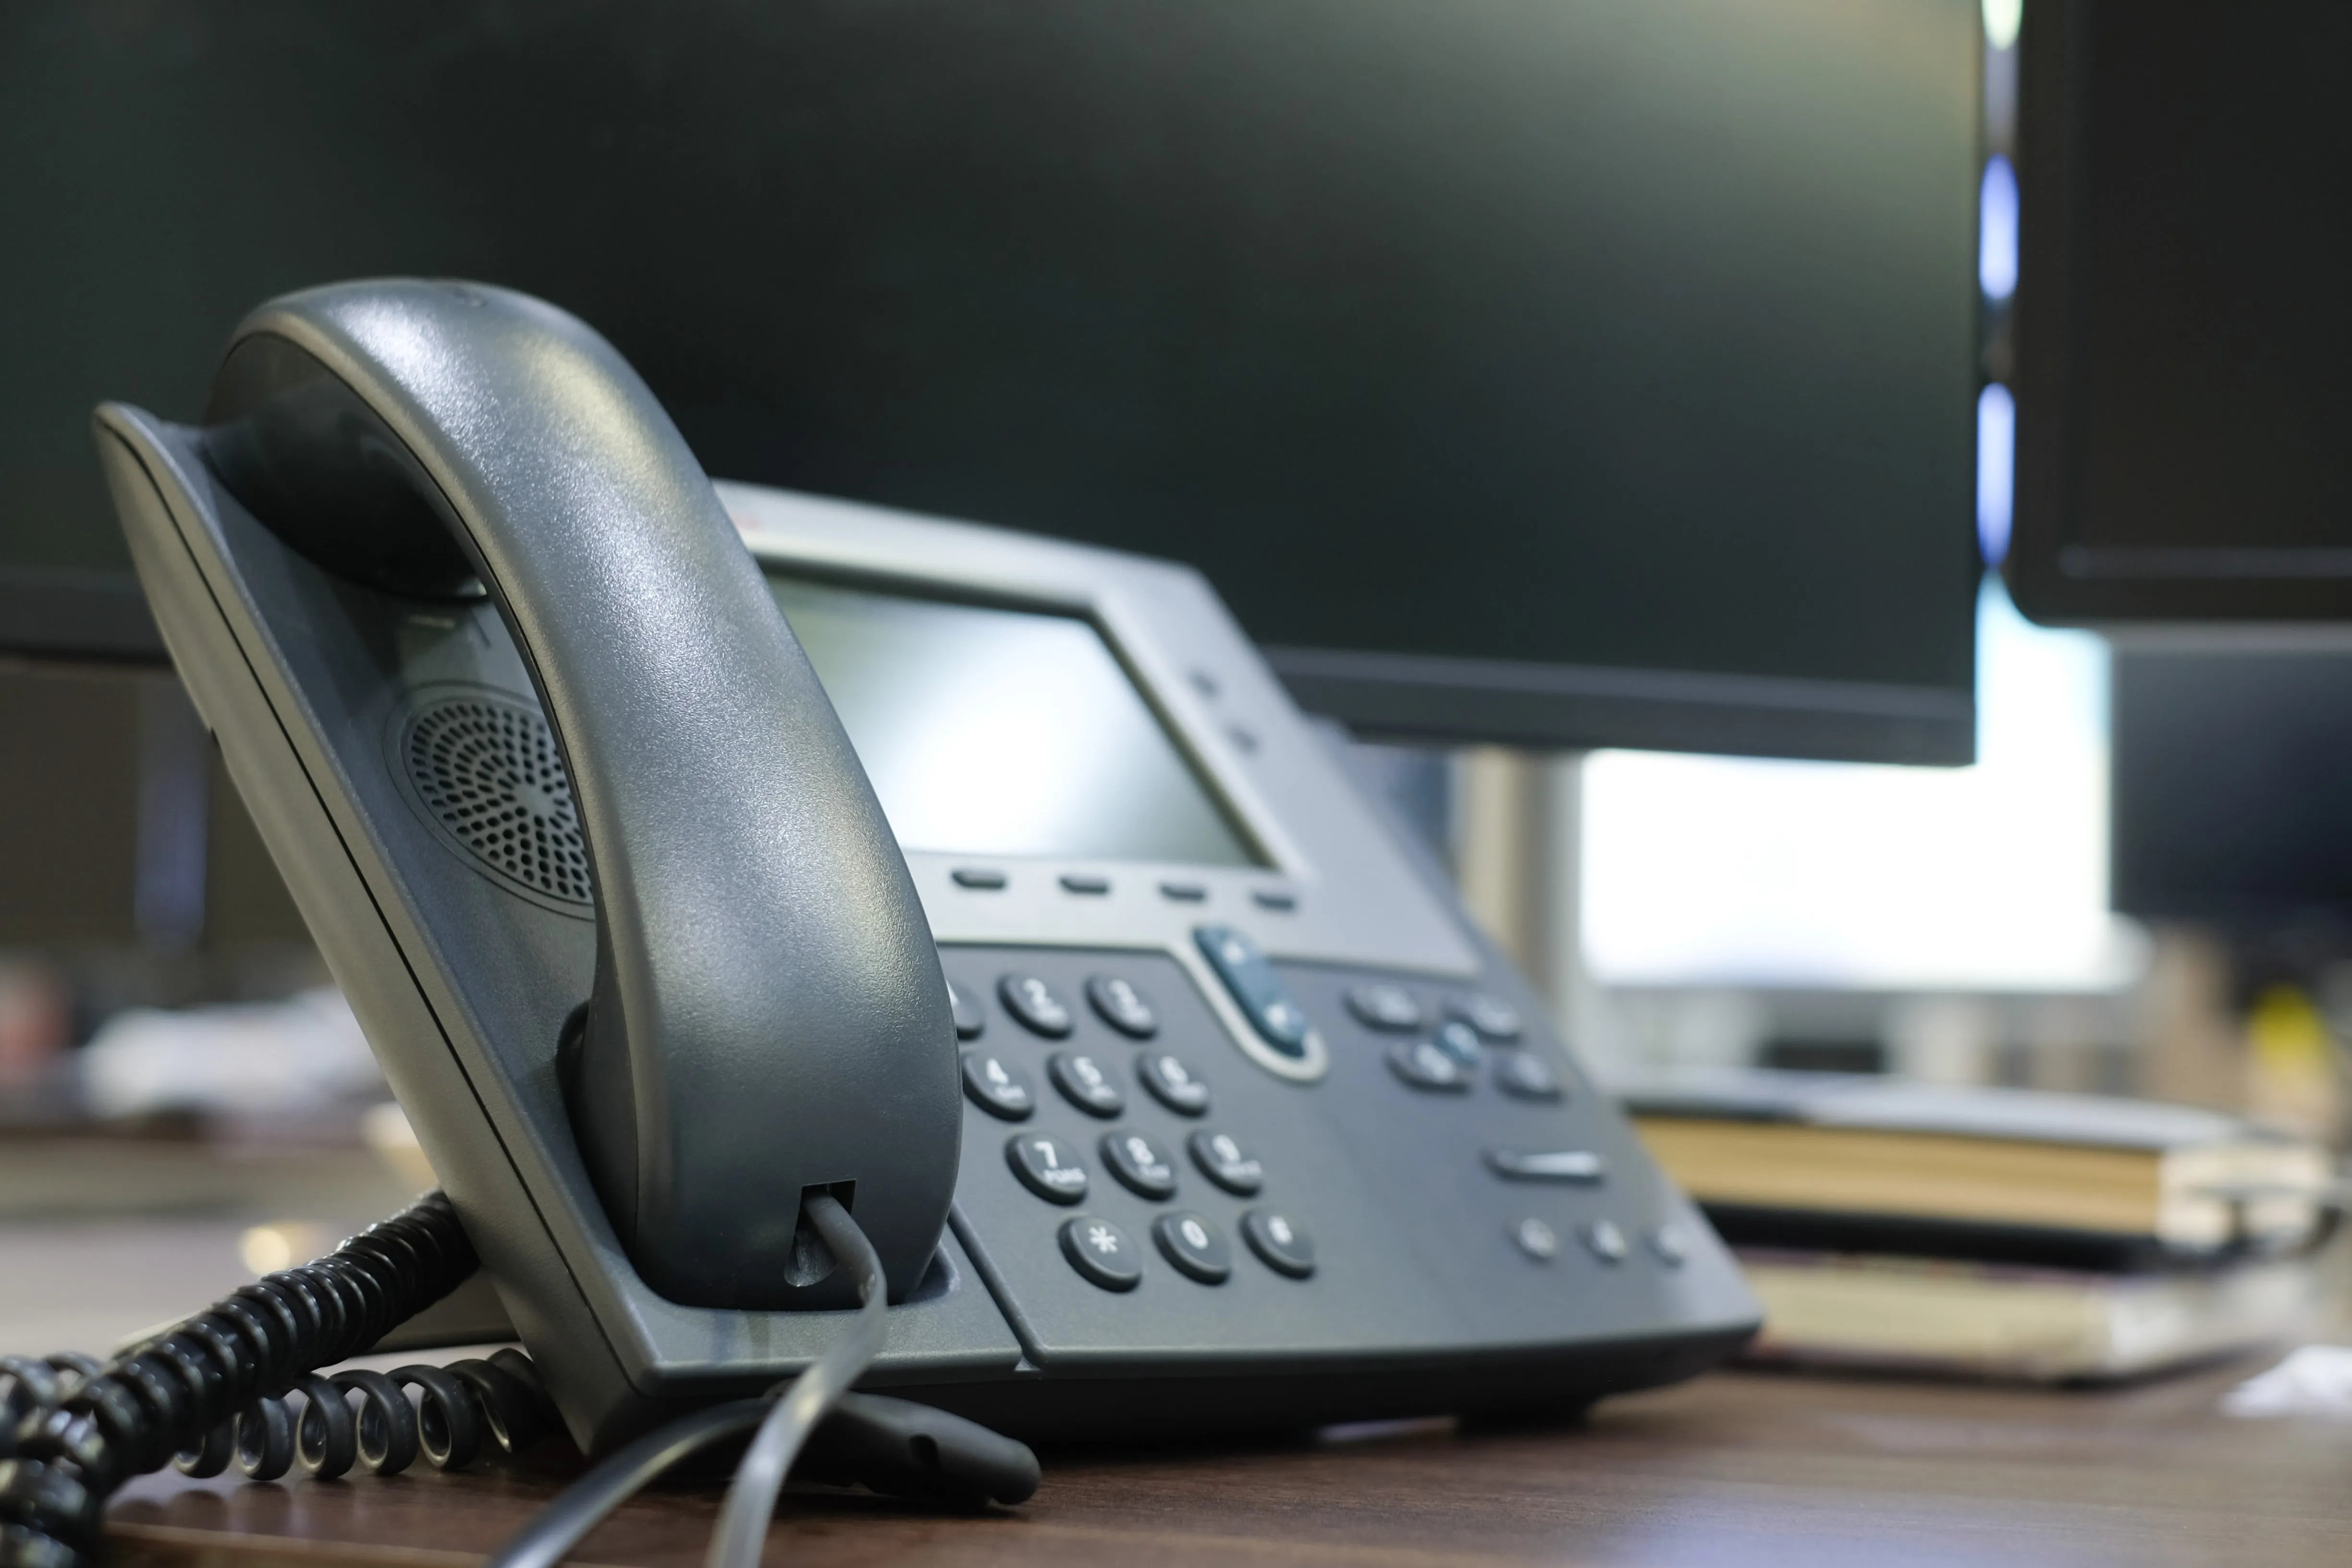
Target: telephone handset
1231,1115
766,1017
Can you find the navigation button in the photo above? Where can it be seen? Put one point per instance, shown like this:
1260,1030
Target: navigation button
970,1021
1173,1084
1222,1159
1085,1084
1194,1246
1279,1245
1047,1165
1523,1075
1122,1006
1033,1002
1460,1041
1102,1252
997,1087
1421,1064
1141,1165
1262,998
1493,1018
1579,1166
1383,1006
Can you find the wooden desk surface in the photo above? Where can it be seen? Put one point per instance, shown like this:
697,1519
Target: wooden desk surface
1734,1469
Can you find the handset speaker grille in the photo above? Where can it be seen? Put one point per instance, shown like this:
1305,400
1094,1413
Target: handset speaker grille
491,774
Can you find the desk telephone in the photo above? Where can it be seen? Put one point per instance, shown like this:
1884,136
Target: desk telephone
722,875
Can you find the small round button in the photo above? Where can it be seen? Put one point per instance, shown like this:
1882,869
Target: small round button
968,1019
1523,1075
1384,1006
1122,1006
1606,1241
997,1087
1194,1246
1536,1239
1424,1065
1173,1084
1033,1002
1672,1245
1102,1252
1460,1041
1280,1245
1222,1159
1085,1084
1049,1166
1493,1018
1141,1165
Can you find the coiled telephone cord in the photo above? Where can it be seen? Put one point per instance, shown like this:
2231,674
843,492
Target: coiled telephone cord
213,1390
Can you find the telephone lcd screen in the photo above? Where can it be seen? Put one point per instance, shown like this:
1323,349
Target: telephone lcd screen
996,731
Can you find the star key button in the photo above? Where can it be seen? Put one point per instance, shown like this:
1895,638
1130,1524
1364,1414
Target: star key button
1047,1165
1102,1252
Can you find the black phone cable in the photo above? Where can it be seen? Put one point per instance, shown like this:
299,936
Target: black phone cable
71,1432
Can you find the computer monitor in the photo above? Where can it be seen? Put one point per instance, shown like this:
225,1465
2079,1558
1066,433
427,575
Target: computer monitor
1568,375
2182,322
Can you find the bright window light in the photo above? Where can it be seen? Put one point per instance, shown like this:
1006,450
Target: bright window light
1996,471
1732,871
1997,230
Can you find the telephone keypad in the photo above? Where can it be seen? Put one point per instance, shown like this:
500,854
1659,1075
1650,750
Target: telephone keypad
1122,1006
1085,1084
1173,1084
1143,1167
1278,1242
1047,1165
997,1087
1222,1158
1102,1252
1033,1002
1195,1245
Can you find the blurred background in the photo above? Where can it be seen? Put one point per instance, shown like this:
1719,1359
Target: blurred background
2141,885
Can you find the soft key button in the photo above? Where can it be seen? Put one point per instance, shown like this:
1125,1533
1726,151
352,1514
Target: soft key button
1262,998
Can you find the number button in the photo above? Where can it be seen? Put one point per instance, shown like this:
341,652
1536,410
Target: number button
997,1087
1048,1166
1222,1159
1141,1165
1102,1252
969,1020
1194,1246
1084,1083
1279,1244
1173,1084
1122,1006
1033,1002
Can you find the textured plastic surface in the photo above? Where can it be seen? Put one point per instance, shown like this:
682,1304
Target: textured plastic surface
767,1013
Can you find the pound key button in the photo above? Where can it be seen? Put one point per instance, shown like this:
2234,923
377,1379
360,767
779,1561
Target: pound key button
1280,1245
1424,1064
1222,1159
1033,1002
1047,1165
1122,1006
968,1019
1102,1252
1173,1084
1193,1244
1141,1165
1085,1084
997,1087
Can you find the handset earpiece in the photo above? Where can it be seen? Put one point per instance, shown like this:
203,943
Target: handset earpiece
768,1018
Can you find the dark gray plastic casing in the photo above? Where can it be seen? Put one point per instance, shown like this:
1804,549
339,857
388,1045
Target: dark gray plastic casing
768,1014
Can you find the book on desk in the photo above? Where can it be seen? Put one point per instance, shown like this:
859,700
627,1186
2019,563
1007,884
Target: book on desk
1894,1223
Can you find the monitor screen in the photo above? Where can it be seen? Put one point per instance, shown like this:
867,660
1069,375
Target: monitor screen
1001,732
1572,371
